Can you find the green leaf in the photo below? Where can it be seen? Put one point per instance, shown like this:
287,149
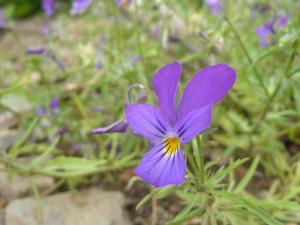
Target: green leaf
296,95
250,206
246,179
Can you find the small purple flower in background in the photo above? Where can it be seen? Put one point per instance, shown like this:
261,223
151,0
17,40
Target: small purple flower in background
215,6
35,51
41,111
48,7
54,105
118,3
45,30
267,31
174,124
79,6
2,19
283,20
135,59
61,132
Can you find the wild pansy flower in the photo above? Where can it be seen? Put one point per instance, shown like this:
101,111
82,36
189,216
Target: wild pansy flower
267,31
79,6
48,7
215,6
175,123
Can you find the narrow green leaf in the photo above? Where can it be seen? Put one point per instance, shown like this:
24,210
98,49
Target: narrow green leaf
250,206
248,176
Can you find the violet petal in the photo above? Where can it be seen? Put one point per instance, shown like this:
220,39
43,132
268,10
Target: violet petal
160,169
165,83
208,86
194,123
146,121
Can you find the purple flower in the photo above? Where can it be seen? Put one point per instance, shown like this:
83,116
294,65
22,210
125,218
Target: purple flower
2,19
283,20
41,111
135,59
174,124
118,3
267,31
49,7
215,6
79,6
35,51
54,105
61,132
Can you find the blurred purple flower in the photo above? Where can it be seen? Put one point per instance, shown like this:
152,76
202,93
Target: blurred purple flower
261,8
54,105
79,6
136,59
118,3
75,148
61,132
45,30
283,20
267,31
35,51
2,19
41,111
215,6
48,7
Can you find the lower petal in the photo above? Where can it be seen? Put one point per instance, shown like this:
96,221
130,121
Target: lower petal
160,168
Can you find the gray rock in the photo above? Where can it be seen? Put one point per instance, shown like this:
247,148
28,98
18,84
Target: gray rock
7,120
7,138
16,103
13,186
97,207
2,215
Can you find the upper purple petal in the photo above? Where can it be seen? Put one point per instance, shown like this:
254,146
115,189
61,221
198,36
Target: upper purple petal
208,86
146,121
165,83
194,123
160,169
79,6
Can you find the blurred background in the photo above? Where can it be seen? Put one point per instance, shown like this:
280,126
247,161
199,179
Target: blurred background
67,67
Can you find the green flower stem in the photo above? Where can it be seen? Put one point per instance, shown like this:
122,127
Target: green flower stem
201,160
247,54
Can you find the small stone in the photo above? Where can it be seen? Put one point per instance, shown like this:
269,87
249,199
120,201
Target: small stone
8,120
2,217
97,208
13,186
7,138
16,103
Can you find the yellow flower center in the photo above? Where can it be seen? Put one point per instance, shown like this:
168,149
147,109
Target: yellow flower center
172,145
